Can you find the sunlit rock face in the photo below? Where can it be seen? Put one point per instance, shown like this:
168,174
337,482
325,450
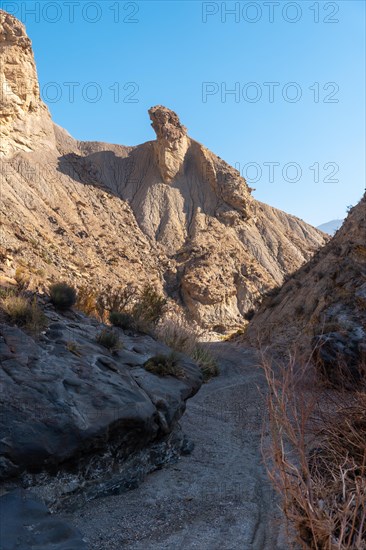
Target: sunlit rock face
168,212
25,120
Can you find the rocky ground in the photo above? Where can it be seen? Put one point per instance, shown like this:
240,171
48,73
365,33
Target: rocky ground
206,491
218,497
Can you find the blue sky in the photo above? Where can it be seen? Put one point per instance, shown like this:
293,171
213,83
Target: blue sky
123,57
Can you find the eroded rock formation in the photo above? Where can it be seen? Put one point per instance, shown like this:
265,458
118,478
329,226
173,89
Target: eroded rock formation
25,120
168,210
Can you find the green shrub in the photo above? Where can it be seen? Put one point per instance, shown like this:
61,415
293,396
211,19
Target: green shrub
124,321
63,296
109,339
165,365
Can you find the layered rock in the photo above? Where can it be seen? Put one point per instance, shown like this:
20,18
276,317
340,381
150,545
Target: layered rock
25,120
322,307
169,210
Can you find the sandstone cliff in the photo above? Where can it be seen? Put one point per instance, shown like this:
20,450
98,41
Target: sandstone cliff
167,211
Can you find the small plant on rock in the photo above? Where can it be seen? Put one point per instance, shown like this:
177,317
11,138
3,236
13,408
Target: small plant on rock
74,348
181,336
109,339
165,365
205,360
63,296
17,308
122,320
23,312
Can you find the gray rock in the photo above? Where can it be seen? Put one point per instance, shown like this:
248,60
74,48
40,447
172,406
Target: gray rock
26,523
61,402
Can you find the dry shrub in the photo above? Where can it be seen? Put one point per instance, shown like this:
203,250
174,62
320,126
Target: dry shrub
118,300
87,300
165,365
144,308
23,311
183,337
317,457
23,279
101,302
148,309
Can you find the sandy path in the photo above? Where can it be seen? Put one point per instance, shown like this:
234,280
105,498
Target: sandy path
216,498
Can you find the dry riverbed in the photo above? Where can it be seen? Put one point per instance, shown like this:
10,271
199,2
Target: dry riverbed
218,497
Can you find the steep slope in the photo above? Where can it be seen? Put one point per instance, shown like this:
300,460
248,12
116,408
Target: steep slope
167,211
324,304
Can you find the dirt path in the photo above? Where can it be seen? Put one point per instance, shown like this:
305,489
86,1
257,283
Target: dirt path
216,498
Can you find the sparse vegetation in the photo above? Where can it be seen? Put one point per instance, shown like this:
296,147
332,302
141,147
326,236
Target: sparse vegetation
124,307
317,458
87,300
117,300
22,311
165,365
22,278
18,309
180,336
109,339
124,321
205,360
74,348
62,295
148,309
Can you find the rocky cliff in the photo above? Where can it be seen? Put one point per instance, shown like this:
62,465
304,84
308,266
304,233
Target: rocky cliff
322,307
169,210
25,120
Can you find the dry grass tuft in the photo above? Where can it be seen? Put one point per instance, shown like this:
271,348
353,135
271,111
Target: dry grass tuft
184,338
23,311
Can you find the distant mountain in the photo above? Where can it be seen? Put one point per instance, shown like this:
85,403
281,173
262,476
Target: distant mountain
330,227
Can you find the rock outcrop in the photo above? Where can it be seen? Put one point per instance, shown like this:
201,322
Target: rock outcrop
322,307
172,142
69,405
171,210
25,120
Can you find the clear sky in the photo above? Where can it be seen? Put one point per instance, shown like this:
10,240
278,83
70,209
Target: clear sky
296,70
